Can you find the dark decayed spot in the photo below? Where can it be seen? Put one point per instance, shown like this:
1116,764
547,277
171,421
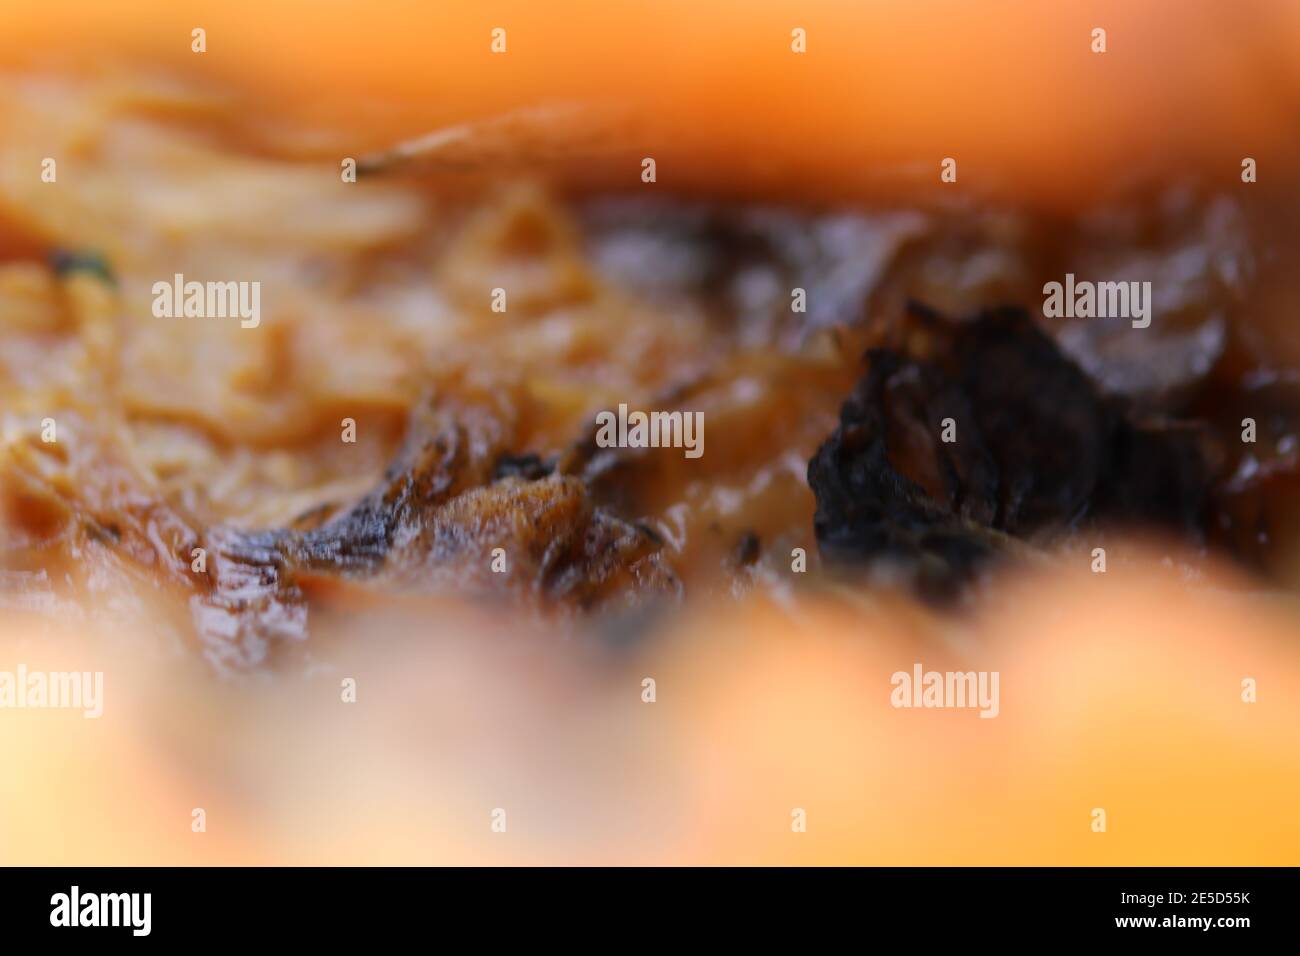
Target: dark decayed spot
67,262
528,467
1036,452
746,551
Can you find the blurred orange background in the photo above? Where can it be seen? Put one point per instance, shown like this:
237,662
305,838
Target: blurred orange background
886,89
1119,691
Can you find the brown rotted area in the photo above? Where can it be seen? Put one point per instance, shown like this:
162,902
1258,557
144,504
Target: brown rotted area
1034,451
453,513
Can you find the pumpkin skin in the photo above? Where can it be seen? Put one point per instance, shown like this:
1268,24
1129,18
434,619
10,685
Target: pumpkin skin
1028,110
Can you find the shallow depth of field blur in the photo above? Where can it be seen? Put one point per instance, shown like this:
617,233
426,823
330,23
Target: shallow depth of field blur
1120,691
1123,695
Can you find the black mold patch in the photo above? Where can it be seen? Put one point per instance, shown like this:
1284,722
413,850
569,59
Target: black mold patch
1035,451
